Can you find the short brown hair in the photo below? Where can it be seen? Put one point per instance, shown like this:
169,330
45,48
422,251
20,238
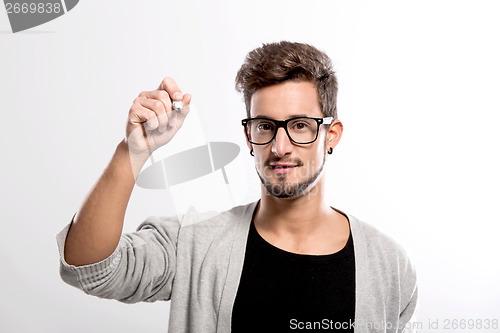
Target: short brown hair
278,62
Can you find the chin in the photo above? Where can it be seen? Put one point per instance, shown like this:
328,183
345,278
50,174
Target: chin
285,186
289,190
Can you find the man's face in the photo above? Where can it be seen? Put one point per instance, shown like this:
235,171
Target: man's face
285,168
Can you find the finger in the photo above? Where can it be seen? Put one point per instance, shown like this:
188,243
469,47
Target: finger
176,118
186,100
170,86
160,95
158,108
142,115
163,96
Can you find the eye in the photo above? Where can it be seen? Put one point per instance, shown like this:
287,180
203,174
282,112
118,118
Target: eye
264,126
300,125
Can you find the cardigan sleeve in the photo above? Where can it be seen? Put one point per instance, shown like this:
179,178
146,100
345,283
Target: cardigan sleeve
409,298
408,316
141,268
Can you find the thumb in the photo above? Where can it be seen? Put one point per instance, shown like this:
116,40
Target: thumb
186,99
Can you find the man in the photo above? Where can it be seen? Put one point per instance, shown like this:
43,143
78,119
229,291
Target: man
286,262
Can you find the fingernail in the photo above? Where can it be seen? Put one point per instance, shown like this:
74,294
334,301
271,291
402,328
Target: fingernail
178,95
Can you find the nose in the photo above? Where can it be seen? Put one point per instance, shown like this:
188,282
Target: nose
281,145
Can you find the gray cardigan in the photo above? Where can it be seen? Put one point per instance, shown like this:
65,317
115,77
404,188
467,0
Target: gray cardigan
196,262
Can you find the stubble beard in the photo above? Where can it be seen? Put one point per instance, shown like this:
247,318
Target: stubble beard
284,190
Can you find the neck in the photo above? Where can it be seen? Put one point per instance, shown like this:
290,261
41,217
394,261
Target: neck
301,215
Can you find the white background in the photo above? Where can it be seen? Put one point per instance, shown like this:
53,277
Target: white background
418,97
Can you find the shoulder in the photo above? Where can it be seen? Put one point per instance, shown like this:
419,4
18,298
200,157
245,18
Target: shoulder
193,220
374,239
211,241
384,271
384,264
381,250
212,224
201,227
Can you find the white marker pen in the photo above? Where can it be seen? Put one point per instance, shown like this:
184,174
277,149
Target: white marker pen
177,106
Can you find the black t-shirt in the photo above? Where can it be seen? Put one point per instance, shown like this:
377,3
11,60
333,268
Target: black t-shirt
280,291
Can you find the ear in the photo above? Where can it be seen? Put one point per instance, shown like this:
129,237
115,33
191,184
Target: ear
334,133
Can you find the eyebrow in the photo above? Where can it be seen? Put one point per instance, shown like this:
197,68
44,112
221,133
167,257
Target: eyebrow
292,116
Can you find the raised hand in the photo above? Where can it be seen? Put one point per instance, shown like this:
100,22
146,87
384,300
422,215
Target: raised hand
152,122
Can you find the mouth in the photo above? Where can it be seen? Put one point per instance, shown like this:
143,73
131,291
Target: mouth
282,168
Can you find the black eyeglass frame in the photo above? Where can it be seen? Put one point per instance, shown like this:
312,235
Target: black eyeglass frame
284,123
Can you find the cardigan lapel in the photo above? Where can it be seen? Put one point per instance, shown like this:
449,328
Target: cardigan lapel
236,259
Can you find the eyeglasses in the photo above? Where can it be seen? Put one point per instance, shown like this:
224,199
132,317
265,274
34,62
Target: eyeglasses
301,130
